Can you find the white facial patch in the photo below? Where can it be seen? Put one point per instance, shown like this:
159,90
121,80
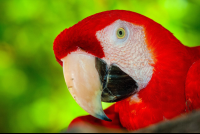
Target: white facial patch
130,53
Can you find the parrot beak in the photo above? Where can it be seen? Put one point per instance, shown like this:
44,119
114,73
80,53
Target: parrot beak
90,80
83,83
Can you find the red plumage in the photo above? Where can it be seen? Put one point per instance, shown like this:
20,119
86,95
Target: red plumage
110,112
174,87
82,34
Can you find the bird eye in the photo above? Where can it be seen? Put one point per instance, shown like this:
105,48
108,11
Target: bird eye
121,33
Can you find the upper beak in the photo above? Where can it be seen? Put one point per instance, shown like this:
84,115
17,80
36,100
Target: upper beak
90,81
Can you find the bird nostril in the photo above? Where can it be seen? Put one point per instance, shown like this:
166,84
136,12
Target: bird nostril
81,49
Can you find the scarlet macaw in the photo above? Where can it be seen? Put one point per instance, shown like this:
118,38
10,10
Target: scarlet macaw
124,57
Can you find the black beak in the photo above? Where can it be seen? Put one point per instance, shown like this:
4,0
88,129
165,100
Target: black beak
116,84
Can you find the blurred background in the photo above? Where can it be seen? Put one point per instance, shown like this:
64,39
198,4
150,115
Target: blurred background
33,94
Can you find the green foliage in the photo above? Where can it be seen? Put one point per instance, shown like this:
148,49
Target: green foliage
33,94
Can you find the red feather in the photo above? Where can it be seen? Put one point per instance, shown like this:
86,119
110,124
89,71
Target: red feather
85,120
165,96
82,35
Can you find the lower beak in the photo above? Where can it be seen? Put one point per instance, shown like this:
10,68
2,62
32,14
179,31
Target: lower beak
91,81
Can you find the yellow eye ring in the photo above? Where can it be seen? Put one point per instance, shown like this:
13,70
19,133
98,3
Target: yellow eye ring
121,33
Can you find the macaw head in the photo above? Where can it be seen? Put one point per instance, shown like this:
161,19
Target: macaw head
109,56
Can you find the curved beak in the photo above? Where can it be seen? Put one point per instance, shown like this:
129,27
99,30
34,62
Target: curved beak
83,82
90,80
